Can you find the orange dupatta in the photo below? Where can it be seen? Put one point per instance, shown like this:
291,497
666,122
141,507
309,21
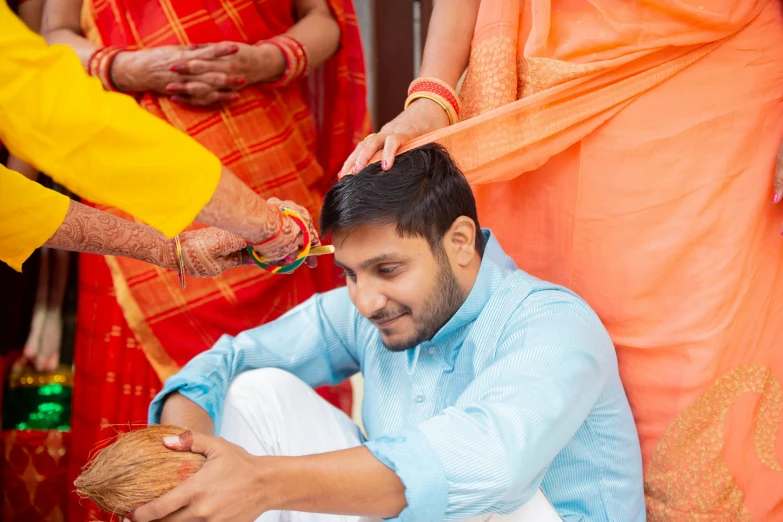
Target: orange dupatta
647,133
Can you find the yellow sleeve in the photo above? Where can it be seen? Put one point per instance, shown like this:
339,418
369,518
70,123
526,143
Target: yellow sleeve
29,215
99,144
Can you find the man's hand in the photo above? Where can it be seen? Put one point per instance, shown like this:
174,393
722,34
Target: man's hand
235,486
225,489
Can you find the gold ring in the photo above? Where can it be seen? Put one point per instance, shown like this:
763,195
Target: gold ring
369,136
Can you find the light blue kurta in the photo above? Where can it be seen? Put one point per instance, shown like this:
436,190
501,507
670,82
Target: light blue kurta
520,389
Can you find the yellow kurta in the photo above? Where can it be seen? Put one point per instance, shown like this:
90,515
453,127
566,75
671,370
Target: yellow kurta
29,215
101,145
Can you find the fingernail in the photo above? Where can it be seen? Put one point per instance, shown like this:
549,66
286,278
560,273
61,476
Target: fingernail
288,259
356,168
384,164
193,47
234,48
171,440
170,88
234,97
775,197
239,81
175,68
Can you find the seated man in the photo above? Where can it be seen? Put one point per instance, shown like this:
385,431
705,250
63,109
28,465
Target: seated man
484,386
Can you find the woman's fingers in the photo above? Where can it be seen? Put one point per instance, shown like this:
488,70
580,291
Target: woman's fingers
390,147
372,144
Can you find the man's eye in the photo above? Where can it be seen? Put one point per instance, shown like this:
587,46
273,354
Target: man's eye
349,275
387,270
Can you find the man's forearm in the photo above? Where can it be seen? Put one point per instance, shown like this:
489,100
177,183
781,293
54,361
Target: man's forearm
180,411
236,208
351,482
86,229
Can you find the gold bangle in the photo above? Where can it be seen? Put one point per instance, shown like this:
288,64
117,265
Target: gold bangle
181,262
446,106
436,86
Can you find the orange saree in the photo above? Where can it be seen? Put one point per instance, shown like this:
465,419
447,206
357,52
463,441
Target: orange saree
626,150
135,325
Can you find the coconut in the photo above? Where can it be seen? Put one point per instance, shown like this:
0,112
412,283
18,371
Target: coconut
136,469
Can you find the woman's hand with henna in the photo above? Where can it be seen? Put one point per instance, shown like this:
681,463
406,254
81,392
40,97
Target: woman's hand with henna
208,80
287,245
159,69
208,252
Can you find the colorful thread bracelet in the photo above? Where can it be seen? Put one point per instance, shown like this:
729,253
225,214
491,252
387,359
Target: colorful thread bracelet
437,91
303,253
100,63
297,59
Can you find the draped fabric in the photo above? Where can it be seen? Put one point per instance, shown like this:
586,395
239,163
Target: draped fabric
136,326
626,150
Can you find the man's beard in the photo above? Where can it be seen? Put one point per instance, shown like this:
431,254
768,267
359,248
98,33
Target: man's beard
439,307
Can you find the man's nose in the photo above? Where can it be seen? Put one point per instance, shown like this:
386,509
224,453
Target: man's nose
368,298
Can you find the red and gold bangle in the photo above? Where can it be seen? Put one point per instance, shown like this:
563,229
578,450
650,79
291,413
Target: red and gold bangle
297,59
100,63
440,100
441,91
303,253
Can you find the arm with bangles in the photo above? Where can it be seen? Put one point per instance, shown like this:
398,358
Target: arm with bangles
445,58
236,208
277,61
196,74
206,252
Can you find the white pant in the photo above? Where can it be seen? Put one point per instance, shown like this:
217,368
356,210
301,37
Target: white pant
271,412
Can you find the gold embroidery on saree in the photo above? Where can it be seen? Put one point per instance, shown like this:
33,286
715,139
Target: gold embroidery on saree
687,478
540,74
491,79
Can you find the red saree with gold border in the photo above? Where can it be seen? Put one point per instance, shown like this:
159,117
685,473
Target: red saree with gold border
136,326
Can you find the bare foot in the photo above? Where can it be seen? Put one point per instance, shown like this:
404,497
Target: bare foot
51,339
33,344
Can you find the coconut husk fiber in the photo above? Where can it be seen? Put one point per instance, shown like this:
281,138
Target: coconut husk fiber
137,468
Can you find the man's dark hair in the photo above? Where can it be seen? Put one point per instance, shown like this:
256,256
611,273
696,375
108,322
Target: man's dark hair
423,193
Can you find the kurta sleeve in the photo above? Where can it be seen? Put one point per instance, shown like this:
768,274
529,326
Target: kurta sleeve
101,145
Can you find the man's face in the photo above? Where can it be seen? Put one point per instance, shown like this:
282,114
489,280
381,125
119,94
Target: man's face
398,283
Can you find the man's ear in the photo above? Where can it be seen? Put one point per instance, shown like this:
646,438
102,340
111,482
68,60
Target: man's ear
460,241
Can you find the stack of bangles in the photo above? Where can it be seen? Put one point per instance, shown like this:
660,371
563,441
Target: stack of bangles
100,63
438,91
297,59
274,269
